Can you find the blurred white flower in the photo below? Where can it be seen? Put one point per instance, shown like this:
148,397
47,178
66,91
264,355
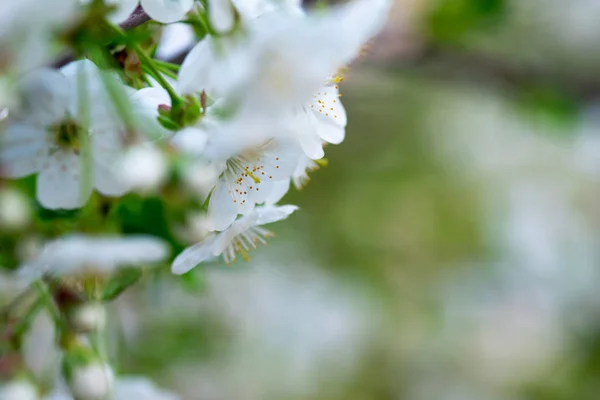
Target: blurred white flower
294,331
175,39
87,317
165,11
18,389
15,212
284,58
45,136
127,388
250,9
91,382
27,28
240,238
220,14
143,168
96,255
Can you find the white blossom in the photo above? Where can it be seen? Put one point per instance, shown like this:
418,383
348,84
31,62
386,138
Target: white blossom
247,162
165,11
45,136
220,14
240,238
93,381
18,389
87,317
15,212
285,56
127,388
27,28
80,254
144,167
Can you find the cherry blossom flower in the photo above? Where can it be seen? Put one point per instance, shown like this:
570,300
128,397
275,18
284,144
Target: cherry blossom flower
165,11
45,137
126,388
284,58
240,238
79,254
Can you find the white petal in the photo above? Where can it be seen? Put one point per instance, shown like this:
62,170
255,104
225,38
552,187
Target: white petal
220,13
23,148
194,255
330,115
175,39
222,211
190,140
150,98
279,190
45,95
303,126
167,11
280,159
270,214
108,181
194,74
59,183
311,144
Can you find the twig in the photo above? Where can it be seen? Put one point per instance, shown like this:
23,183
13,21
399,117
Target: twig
137,18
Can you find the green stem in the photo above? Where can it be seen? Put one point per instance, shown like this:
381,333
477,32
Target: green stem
25,322
167,65
150,64
48,302
15,302
156,74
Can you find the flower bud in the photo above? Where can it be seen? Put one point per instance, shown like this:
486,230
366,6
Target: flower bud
18,389
87,317
87,376
92,382
14,209
144,168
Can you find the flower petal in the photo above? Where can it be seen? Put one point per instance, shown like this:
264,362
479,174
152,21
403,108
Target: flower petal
45,97
270,214
23,148
277,192
167,11
194,255
107,179
59,183
222,211
220,14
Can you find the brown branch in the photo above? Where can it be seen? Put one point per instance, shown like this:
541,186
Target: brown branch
137,18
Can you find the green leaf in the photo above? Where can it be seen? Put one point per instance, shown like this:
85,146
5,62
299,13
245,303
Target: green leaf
119,283
452,20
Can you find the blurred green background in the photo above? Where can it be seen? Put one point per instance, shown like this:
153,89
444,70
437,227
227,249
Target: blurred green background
449,251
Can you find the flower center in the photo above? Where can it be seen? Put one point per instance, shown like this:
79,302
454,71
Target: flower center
66,135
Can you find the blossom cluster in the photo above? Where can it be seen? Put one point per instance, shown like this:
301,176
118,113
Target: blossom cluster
104,123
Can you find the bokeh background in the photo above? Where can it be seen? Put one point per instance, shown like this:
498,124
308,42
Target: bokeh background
449,251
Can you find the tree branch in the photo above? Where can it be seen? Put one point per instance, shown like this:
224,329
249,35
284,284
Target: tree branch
137,18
